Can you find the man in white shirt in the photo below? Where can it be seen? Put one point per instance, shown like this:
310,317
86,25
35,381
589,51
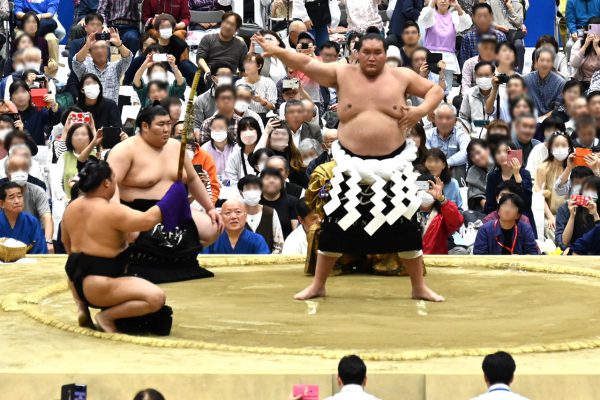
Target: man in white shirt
296,243
499,371
352,379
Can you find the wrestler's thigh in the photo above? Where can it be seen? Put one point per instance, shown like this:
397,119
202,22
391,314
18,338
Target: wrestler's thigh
103,291
207,231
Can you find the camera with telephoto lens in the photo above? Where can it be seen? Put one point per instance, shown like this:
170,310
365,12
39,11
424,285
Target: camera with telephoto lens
502,78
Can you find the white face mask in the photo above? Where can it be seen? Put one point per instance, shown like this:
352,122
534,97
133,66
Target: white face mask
576,189
591,195
91,91
307,161
426,198
241,106
3,133
560,153
484,83
224,80
248,137
251,197
19,177
158,76
218,136
32,65
19,67
166,33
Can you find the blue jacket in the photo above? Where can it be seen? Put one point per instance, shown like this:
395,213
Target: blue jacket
406,10
588,244
494,179
490,234
248,243
39,7
579,12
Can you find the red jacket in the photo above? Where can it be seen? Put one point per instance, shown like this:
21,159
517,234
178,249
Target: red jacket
179,9
439,229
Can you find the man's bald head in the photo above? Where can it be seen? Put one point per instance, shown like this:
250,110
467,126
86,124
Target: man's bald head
296,28
233,212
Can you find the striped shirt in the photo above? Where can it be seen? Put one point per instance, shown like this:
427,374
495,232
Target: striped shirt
113,10
265,88
110,76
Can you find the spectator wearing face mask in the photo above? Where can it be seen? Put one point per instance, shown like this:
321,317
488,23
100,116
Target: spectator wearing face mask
225,98
237,239
178,9
274,196
173,45
261,219
573,221
472,111
296,243
280,142
157,72
17,224
507,235
34,170
105,112
329,136
31,29
560,147
309,150
586,221
497,101
109,72
486,51
244,94
220,145
550,126
265,91
35,199
15,137
34,119
205,104
249,133
544,85
30,69
440,217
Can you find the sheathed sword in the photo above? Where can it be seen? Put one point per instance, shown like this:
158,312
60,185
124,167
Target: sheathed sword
187,123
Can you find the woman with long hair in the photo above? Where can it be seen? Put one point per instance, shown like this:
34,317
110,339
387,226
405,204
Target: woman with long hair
280,141
104,111
478,155
417,134
248,135
508,170
220,145
560,146
585,55
437,165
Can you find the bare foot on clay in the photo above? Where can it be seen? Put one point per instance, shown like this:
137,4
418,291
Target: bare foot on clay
310,293
104,324
84,318
427,294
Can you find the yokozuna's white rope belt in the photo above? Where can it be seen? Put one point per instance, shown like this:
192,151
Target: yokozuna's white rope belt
355,170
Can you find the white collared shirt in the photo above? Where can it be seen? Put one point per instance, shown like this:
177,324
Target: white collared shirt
500,391
352,392
296,136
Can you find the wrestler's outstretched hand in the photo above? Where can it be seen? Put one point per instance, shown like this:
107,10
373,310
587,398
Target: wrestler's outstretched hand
174,207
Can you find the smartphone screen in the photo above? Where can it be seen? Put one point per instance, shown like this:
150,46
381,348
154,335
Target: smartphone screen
198,169
160,57
422,185
594,29
308,392
518,154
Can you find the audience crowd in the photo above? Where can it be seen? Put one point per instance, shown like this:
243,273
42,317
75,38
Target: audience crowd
509,162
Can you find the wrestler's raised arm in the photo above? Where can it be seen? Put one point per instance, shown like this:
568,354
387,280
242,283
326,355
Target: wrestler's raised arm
423,88
119,159
324,74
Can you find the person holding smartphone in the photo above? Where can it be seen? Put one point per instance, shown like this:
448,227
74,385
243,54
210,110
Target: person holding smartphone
585,54
577,14
158,86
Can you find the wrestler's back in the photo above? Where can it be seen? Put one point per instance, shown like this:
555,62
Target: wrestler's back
86,223
151,171
369,111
